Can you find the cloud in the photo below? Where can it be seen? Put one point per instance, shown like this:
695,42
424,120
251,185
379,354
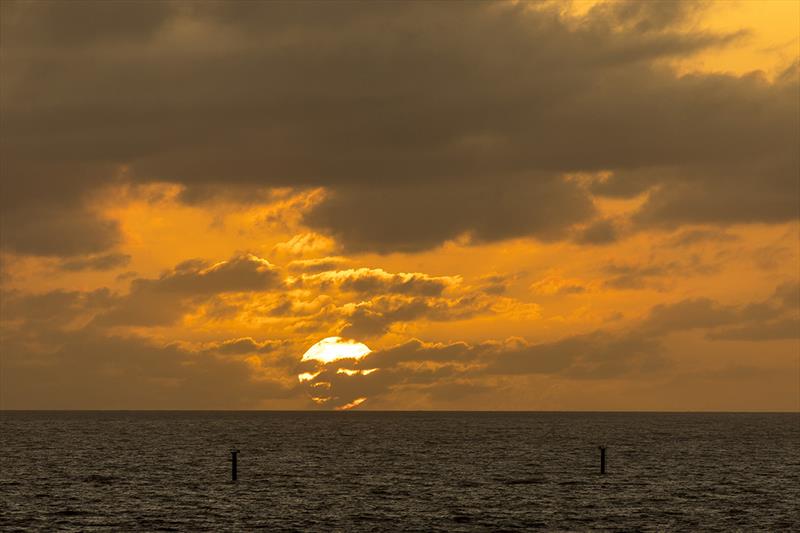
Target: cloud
595,355
83,22
603,231
636,349
377,281
89,369
244,345
654,274
55,230
414,148
314,266
425,366
772,319
695,236
496,284
303,244
376,218
165,299
557,285
783,328
54,348
108,261
698,313
53,309
374,317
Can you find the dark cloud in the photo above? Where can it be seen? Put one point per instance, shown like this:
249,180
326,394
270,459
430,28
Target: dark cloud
654,274
374,317
410,219
495,284
377,281
637,349
697,236
604,231
97,262
775,318
421,132
426,366
646,16
779,329
595,355
165,299
245,345
315,266
555,285
82,22
53,309
89,370
54,230
689,314
55,356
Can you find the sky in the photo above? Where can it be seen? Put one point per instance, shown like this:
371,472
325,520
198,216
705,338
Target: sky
473,205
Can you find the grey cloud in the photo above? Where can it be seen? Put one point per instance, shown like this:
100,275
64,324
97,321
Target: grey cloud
81,22
165,299
374,317
420,132
689,314
651,275
55,230
696,236
646,16
426,366
772,319
411,219
495,284
788,295
783,328
54,308
244,345
595,355
312,266
90,370
108,261
601,354
378,281
572,289
603,231
416,350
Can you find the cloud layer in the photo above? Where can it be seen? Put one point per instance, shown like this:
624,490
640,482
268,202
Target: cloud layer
420,131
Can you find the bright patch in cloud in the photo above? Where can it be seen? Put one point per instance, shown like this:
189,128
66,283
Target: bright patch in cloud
334,348
351,405
356,372
307,376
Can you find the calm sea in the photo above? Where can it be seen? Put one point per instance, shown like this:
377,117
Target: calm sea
379,471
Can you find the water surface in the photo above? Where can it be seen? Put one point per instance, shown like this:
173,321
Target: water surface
378,471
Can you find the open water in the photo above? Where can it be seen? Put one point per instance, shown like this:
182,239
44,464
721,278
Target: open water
381,471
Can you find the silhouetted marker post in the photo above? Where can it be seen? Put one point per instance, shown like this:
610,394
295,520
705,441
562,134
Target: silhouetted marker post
234,452
602,459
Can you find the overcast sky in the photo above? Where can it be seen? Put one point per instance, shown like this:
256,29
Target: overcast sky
514,205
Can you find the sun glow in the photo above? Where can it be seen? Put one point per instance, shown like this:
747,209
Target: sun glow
333,348
307,376
351,405
349,372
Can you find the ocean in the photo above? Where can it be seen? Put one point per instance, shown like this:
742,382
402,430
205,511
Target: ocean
398,471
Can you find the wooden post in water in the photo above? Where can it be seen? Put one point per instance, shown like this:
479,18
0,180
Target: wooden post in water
602,459
234,452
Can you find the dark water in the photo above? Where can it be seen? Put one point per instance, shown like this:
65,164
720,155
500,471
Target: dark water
362,471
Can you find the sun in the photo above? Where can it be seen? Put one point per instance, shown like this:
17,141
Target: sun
333,348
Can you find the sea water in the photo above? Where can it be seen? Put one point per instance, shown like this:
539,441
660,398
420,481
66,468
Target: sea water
398,471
